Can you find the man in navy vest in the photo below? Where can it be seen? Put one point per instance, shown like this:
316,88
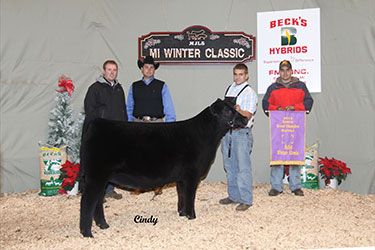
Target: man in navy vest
149,99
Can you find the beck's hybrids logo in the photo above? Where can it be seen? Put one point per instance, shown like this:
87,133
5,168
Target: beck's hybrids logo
288,36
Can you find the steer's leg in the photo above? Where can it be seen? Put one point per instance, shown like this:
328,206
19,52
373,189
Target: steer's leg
181,199
99,212
190,188
89,201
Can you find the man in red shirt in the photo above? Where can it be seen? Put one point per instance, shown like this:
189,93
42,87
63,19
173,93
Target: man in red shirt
287,93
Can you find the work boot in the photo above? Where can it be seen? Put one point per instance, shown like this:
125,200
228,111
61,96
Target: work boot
298,192
113,195
242,207
274,192
226,201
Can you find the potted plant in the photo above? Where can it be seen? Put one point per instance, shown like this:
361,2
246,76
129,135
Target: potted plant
69,176
331,169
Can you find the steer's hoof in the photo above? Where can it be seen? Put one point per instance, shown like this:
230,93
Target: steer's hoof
87,234
182,213
190,217
103,225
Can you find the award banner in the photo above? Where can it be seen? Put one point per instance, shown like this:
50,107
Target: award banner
287,133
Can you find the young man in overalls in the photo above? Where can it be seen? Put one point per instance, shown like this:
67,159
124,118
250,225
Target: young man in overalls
237,144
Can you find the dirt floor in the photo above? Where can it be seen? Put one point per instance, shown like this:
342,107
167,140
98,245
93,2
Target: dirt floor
325,218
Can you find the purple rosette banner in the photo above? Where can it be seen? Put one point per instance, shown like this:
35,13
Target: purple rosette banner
287,133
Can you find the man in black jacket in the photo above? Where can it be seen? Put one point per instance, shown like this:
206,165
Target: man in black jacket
106,99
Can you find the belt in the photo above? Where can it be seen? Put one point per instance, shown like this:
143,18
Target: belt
148,118
239,128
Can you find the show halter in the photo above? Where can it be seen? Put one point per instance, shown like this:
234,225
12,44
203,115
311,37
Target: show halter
230,124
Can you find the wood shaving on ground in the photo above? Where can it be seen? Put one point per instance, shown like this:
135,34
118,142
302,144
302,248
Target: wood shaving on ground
325,218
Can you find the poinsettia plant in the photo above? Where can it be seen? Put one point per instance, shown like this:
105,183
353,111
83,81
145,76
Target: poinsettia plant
333,168
69,175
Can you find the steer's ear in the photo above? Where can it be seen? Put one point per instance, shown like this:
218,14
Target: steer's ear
216,107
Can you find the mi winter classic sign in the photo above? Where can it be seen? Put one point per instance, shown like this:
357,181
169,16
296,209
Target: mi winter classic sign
197,44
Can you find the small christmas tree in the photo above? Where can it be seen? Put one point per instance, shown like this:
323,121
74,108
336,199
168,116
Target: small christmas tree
61,123
77,128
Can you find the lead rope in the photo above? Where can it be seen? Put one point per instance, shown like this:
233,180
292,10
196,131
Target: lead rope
230,143
230,138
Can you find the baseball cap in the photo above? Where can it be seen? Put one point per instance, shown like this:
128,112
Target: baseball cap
285,63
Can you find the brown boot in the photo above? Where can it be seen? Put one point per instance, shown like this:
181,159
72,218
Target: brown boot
242,207
226,201
298,192
113,195
274,192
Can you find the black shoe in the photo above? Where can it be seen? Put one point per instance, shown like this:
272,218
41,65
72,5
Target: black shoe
113,195
226,201
274,192
298,192
242,207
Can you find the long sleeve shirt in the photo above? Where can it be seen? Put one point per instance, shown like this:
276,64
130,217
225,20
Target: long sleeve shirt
168,108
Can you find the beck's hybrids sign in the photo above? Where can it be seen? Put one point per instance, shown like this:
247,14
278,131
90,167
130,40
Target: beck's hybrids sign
292,35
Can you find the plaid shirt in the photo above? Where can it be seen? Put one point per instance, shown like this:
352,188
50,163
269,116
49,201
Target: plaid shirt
248,99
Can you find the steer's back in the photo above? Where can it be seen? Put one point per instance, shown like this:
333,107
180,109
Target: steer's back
148,151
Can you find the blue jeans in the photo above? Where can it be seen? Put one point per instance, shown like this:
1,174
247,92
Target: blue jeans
277,172
238,165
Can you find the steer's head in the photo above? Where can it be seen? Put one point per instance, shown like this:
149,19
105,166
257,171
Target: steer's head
227,115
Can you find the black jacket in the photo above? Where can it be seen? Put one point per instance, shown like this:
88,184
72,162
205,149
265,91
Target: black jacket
104,101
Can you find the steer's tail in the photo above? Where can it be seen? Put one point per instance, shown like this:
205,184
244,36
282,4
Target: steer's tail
159,190
82,181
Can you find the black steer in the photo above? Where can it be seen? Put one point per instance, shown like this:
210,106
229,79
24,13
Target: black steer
148,155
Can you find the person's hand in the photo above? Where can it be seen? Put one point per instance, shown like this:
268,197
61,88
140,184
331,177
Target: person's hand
245,113
290,108
280,108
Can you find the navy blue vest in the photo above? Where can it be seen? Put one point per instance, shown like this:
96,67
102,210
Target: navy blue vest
148,100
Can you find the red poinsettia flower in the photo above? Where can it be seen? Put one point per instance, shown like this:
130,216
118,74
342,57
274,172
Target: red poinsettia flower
66,85
61,191
69,175
333,168
75,168
327,172
286,167
68,181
